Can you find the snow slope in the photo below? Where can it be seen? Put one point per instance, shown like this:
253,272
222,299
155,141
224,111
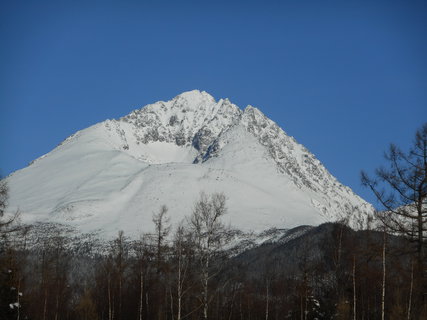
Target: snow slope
114,175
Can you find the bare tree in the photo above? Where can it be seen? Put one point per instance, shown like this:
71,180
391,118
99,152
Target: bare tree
182,253
4,193
162,229
354,289
209,236
119,250
7,224
143,253
401,188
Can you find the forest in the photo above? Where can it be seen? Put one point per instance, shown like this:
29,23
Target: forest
191,272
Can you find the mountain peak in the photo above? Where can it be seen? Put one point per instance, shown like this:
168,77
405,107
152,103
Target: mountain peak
114,174
193,98
194,94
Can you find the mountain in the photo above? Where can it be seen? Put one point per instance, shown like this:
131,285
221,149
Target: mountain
113,175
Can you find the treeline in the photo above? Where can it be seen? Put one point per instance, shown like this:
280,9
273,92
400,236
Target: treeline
196,271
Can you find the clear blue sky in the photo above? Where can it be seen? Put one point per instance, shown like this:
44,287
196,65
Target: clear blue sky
345,78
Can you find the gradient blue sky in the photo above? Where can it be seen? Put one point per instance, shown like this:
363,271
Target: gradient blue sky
345,78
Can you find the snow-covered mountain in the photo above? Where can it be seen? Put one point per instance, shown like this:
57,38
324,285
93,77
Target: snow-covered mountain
113,175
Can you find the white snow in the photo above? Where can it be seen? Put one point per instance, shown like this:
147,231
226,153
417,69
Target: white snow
114,175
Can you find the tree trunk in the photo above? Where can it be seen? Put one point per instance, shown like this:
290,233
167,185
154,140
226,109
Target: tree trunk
171,302
57,305
384,274
267,301
205,286
205,295
179,288
18,300
410,291
45,304
141,293
146,302
110,313
302,307
420,241
354,288
120,296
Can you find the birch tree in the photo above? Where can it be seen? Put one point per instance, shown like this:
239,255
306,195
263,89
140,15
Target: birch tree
209,236
143,254
182,254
